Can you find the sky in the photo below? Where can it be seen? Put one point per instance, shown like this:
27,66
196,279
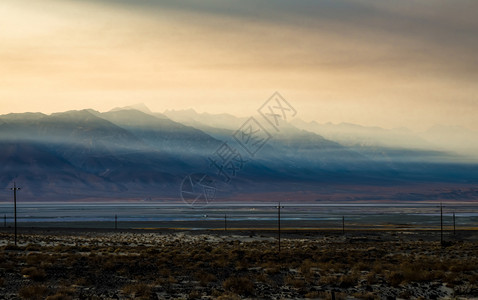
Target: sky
381,63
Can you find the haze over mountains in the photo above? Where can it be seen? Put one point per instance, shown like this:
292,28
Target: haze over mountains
132,153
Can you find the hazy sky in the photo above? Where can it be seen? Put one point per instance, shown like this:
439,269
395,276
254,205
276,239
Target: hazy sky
383,62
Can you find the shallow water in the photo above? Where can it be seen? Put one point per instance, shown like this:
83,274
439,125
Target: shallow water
292,215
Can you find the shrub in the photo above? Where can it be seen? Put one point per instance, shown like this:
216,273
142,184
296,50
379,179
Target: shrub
59,296
328,279
371,278
366,296
228,296
328,295
262,278
34,273
81,281
205,278
239,285
12,247
33,292
294,282
395,278
305,267
64,293
195,295
138,290
361,266
312,295
33,247
349,280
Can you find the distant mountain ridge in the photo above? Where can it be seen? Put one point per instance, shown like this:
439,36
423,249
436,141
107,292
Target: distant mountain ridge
132,153
454,139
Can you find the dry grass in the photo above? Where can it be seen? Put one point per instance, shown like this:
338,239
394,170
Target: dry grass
229,270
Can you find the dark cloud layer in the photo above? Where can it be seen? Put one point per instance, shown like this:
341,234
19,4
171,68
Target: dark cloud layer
444,32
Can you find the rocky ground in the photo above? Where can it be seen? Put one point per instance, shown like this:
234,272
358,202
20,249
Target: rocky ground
169,264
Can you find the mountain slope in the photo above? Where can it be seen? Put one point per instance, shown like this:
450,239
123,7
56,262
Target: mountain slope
129,154
91,150
163,133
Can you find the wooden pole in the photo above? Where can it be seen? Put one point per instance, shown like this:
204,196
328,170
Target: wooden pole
15,189
441,223
116,222
454,227
225,222
343,224
15,209
278,222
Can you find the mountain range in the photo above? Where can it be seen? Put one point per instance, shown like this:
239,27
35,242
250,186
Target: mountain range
133,154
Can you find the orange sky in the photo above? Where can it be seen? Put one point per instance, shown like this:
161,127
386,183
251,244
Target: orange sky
385,63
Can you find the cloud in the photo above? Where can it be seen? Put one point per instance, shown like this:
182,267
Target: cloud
438,36
362,59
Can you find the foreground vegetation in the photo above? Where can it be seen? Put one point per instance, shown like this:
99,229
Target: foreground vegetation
195,267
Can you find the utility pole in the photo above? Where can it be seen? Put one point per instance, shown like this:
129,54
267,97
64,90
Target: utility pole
4,220
278,221
15,189
454,227
343,225
116,222
441,223
225,222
